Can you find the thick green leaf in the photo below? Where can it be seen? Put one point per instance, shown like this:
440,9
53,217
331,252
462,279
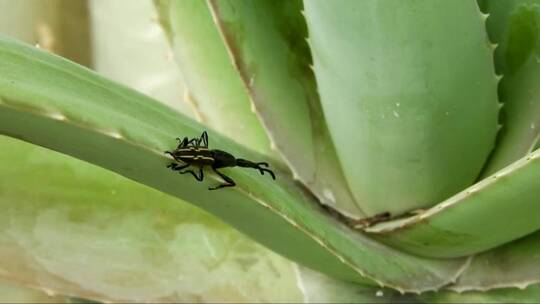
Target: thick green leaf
515,26
496,210
318,288
54,103
266,40
409,95
516,264
467,224
87,232
506,295
213,84
75,300
11,293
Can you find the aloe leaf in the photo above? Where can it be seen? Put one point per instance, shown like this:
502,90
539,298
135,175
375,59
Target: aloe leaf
75,300
266,40
133,50
506,295
126,242
515,27
11,293
53,103
470,221
213,85
514,265
444,231
409,96
482,4
318,288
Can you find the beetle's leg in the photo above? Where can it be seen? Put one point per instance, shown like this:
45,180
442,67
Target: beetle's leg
199,177
230,182
249,164
176,167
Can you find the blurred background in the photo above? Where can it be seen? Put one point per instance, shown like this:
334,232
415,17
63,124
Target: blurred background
120,39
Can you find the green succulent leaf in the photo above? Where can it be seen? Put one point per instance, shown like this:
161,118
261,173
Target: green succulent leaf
213,84
387,106
69,227
75,300
11,293
409,95
266,40
516,264
471,221
515,26
51,102
505,295
319,288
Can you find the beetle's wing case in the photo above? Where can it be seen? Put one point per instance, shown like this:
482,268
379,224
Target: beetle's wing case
192,155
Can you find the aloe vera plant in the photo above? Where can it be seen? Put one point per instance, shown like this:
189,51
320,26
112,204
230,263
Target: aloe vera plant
425,109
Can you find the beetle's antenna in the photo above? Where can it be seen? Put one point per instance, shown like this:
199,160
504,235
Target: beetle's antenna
203,139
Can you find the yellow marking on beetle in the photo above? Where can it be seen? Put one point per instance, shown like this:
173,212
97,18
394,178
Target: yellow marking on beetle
192,149
197,157
204,157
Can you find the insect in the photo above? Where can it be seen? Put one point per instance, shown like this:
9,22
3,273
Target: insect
194,152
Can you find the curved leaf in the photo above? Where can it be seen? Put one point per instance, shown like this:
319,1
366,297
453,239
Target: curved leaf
467,224
10,293
515,27
88,232
318,288
470,221
506,295
51,102
213,85
516,264
409,95
266,40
